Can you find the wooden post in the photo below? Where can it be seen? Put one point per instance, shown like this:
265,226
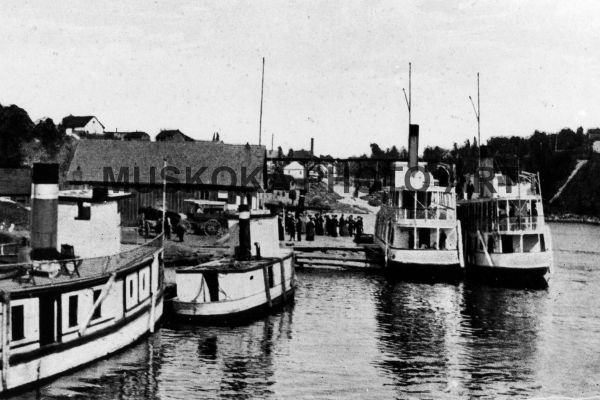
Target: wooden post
6,333
105,289
282,269
461,257
267,288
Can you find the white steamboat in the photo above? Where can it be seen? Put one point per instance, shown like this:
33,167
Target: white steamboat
506,237
256,280
417,228
62,309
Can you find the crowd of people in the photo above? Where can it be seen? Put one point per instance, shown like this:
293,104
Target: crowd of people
302,224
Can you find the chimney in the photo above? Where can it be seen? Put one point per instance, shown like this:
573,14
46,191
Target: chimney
244,252
312,146
44,211
413,146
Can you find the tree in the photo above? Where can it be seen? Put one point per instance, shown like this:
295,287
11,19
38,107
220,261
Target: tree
15,128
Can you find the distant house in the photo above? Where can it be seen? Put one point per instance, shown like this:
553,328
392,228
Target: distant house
80,126
195,170
135,135
282,189
295,170
173,135
15,183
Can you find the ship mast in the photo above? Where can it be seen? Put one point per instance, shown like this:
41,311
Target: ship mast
478,117
409,97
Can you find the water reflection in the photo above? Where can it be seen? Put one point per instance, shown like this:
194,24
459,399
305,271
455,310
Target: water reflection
416,324
126,375
223,362
500,327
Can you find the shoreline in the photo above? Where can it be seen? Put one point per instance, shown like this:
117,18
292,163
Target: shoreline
573,219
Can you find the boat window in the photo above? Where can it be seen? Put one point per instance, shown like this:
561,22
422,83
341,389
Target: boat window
424,238
507,244
531,243
271,279
98,310
542,243
84,211
131,288
73,304
17,322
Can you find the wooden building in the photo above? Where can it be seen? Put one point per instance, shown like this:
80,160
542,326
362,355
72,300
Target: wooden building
195,170
15,183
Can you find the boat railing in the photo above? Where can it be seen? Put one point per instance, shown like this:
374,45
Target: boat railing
82,267
512,224
433,213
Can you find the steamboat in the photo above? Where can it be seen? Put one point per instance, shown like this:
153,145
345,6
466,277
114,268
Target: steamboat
506,237
256,280
78,294
416,227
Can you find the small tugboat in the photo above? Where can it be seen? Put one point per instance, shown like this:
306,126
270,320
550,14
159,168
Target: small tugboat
417,228
238,288
506,237
61,310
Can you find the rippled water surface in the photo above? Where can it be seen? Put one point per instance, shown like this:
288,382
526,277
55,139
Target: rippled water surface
358,335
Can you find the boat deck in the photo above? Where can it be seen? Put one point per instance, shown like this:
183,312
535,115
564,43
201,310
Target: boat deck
25,276
225,265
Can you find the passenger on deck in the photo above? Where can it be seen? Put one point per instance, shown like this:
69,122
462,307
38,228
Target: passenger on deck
343,229
351,225
280,227
328,225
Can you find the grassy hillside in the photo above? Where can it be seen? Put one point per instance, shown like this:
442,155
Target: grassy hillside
582,195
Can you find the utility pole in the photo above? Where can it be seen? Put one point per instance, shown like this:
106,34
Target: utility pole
262,86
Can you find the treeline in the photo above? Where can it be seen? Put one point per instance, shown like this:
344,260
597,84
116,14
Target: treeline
553,155
22,140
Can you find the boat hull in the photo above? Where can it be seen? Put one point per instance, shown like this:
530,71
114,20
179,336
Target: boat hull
32,371
236,311
515,269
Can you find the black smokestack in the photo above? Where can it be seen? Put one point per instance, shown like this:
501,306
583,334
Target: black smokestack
312,146
44,211
413,145
244,250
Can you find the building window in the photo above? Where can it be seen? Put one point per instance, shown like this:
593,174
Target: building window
17,322
73,304
98,310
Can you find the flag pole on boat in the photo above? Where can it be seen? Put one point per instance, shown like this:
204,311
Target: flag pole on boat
262,86
164,197
478,117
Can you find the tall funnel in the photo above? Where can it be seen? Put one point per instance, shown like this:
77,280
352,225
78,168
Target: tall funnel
244,250
413,145
44,211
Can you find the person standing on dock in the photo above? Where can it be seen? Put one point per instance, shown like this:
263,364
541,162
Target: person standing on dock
334,226
318,225
310,230
299,224
328,225
351,225
342,225
359,226
292,228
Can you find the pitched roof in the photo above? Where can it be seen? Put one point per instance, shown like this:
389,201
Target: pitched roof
15,181
167,134
77,122
93,159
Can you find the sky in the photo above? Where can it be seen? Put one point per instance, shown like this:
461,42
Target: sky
334,70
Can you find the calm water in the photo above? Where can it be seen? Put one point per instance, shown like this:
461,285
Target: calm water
355,335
